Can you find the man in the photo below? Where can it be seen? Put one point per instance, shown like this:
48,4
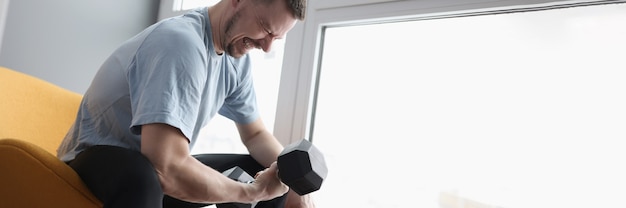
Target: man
142,113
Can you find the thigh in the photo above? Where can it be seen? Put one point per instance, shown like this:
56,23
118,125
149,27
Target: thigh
119,177
223,162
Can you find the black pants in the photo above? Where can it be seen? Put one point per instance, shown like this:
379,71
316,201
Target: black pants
122,178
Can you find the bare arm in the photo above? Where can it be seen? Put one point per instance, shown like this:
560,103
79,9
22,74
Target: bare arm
261,144
184,177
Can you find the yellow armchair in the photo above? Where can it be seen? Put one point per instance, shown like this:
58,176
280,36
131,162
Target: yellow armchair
34,117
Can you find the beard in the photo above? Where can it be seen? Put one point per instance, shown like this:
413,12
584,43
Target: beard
231,48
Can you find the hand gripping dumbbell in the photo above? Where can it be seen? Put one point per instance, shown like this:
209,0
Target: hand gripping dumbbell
301,166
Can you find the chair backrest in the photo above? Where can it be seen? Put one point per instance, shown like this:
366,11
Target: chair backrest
34,110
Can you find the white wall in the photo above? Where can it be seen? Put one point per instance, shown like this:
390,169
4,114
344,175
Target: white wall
65,41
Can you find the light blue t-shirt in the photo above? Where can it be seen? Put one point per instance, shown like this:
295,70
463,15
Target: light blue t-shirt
169,73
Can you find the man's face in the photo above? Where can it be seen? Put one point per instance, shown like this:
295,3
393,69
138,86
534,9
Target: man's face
256,26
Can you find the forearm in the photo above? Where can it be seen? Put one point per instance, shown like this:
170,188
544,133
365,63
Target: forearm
264,148
193,181
261,144
184,177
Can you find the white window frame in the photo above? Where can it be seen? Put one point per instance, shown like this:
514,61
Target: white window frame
303,45
4,9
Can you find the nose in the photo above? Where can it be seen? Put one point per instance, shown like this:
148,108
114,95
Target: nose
266,44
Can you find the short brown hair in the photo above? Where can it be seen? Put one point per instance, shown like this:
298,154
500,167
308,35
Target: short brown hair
297,7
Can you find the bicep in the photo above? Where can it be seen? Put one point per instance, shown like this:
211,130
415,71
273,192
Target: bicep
181,175
163,145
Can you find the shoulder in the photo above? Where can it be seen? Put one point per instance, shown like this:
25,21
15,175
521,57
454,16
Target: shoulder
177,34
175,43
242,66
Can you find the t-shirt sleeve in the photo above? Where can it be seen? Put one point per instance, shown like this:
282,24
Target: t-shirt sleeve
166,82
241,105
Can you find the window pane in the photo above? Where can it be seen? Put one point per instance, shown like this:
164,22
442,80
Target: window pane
509,110
220,135
180,5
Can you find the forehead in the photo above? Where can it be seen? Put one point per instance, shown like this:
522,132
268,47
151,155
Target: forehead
276,17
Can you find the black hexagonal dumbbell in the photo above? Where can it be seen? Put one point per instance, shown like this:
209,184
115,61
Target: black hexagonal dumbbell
302,167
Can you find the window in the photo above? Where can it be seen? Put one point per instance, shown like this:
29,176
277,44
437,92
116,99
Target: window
181,5
521,109
170,8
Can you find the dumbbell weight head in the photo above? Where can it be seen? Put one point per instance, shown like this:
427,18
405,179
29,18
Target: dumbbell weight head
302,167
237,174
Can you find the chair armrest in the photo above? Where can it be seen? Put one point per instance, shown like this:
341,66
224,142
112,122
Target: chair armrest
32,177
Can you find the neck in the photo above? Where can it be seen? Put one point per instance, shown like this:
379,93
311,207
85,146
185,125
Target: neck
216,16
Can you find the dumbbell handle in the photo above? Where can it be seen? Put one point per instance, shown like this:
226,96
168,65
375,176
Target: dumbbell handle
237,174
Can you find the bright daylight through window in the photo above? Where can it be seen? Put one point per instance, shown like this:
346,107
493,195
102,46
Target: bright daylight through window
512,110
180,5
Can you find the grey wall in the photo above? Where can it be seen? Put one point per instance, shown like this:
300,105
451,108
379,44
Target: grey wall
65,41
